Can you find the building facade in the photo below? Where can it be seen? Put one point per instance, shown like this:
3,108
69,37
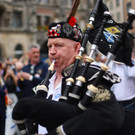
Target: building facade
116,9
119,11
130,4
23,22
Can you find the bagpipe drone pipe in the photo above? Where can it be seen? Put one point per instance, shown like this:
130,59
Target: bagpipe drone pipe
97,13
74,95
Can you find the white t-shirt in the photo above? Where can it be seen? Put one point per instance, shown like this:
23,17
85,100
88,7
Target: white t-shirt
125,90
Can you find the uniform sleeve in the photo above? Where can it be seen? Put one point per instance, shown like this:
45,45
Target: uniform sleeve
130,71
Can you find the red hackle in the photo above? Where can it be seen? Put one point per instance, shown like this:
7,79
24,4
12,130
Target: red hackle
72,21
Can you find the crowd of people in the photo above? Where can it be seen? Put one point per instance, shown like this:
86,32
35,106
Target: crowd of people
16,82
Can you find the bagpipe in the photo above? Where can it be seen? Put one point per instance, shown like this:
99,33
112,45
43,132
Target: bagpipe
74,96
92,89
71,96
42,89
80,80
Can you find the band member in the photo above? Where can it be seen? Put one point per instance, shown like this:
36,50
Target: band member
103,115
125,94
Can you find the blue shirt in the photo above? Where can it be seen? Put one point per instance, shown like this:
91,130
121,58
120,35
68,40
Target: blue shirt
38,72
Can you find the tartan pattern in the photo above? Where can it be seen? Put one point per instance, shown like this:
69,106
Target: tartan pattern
53,33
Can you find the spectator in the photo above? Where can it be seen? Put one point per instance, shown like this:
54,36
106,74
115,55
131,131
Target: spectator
33,73
4,99
10,82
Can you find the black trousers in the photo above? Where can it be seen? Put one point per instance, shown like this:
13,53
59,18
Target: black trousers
128,104
2,124
128,127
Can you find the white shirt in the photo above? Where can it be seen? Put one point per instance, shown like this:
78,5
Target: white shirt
125,90
55,93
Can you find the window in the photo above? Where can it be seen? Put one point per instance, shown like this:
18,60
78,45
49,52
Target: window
0,53
2,9
118,16
45,1
6,22
38,0
18,51
128,6
111,5
18,0
94,2
43,22
64,2
6,19
46,20
38,20
70,2
117,3
44,50
17,19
